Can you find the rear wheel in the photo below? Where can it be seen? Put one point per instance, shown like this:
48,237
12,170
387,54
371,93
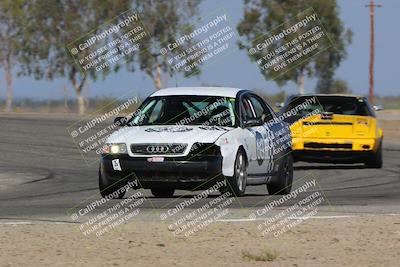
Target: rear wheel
375,160
162,192
283,184
109,187
237,183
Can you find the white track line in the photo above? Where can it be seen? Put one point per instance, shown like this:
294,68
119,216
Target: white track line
220,220
290,218
311,217
32,222
16,223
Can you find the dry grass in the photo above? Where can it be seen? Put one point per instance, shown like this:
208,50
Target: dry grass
265,255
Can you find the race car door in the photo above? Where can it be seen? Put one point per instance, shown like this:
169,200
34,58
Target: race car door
260,159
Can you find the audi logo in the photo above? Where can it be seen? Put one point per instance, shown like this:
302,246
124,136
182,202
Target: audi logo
157,149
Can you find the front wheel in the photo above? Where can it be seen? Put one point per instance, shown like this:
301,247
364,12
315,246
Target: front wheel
237,183
109,188
283,184
162,192
375,160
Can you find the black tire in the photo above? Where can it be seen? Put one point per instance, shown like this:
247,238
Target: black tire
162,192
283,184
237,183
108,187
223,190
376,159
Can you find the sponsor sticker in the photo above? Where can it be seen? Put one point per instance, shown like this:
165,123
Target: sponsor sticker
155,159
116,165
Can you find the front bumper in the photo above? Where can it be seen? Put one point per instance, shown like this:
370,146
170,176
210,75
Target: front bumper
334,150
327,156
335,144
176,172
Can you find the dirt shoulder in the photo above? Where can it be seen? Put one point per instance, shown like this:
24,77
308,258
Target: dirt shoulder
361,241
391,130
389,120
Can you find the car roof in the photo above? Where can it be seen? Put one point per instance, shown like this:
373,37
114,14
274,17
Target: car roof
343,95
203,91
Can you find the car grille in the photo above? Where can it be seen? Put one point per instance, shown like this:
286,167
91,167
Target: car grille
158,149
322,145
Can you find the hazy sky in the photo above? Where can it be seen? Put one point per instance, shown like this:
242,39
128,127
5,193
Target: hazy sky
236,70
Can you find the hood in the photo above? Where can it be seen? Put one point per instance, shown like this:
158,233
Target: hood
167,134
337,126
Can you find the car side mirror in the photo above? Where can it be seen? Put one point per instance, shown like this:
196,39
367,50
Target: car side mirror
120,121
377,107
253,122
266,118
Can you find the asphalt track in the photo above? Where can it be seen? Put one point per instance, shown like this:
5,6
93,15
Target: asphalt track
43,177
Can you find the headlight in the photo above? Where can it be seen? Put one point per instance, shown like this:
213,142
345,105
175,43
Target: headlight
114,149
204,149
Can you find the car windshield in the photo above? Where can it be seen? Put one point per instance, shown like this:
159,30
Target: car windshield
186,110
333,104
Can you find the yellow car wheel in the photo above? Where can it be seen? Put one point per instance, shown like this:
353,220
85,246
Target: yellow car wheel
375,161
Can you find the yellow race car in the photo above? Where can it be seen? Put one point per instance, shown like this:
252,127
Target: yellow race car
334,129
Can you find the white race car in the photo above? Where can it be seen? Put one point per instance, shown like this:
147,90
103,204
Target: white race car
192,138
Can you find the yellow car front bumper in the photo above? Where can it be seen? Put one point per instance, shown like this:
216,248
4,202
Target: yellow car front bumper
334,144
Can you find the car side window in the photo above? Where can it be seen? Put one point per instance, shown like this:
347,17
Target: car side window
247,109
261,108
258,107
154,114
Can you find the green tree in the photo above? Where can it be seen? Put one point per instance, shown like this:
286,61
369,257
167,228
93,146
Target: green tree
55,24
260,17
11,32
339,86
165,21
